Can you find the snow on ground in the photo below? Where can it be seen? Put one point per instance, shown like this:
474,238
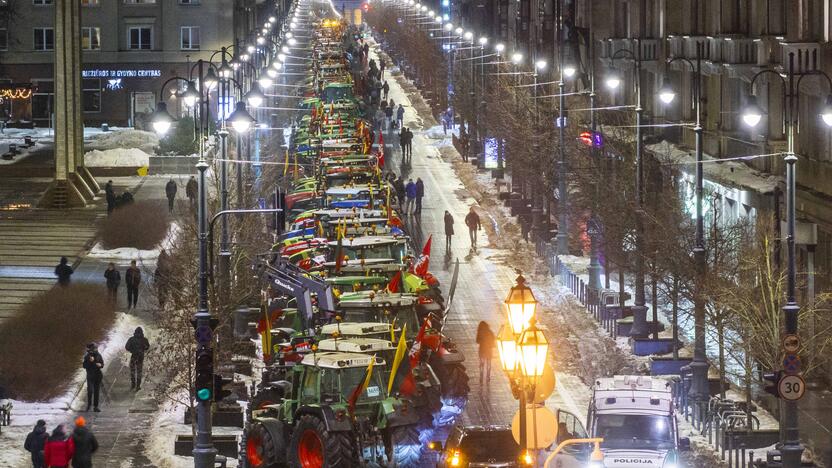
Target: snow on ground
131,253
58,410
117,157
145,141
22,154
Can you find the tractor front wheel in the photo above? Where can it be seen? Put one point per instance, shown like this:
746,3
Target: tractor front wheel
265,448
312,446
405,449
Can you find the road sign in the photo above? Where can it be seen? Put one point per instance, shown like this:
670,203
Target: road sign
791,364
541,427
791,343
792,387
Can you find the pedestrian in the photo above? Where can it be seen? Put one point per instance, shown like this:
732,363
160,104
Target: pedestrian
401,191
525,226
85,444
110,195
63,271
486,342
381,68
449,230
379,119
160,278
402,141
113,277
408,146
445,121
132,278
400,115
410,191
93,364
472,220
420,192
58,451
385,88
36,442
137,345
170,192
388,118
190,190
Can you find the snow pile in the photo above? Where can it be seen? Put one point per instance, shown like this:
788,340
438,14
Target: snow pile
145,141
59,410
117,157
437,133
131,253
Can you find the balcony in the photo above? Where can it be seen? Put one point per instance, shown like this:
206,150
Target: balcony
733,50
806,56
647,49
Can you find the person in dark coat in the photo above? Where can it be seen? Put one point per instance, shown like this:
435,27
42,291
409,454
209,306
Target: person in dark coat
85,444
472,220
449,230
487,342
388,118
63,271
403,142
110,195
408,146
385,88
132,278
36,442
410,192
400,115
400,191
93,364
170,192
113,277
59,449
190,190
137,345
420,192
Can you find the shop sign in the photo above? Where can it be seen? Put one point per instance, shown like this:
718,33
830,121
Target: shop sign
15,91
105,73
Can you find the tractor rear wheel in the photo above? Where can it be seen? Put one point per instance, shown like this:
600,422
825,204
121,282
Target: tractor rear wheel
405,449
265,445
312,446
265,397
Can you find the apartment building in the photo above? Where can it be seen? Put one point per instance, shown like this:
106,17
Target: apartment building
130,49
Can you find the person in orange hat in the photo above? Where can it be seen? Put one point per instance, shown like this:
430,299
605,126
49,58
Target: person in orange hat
85,444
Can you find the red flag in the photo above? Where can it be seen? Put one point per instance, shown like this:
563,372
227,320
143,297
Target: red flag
395,283
408,385
420,268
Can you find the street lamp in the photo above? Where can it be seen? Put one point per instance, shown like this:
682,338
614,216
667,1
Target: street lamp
499,48
507,349
520,306
254,98
752,114
265,79
569,71
533,347
190,95
613,82
161,119
241,120
540,65
516,58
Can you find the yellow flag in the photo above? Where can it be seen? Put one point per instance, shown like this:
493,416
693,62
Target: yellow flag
286,163
401,351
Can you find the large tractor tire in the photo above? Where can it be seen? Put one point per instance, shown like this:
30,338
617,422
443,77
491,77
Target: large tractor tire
405,449
266,444
312,446
266,397
455,391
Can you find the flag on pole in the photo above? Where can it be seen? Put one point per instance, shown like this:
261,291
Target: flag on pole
401,351
408,385
286,164
365,382
420,268
394,285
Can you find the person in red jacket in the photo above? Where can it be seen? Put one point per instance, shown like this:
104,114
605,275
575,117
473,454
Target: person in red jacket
59,449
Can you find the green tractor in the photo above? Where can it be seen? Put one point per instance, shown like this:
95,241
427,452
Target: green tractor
314,426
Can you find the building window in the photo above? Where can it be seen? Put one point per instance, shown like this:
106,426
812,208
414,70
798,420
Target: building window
91,38
4,39
140,2
44,39
42,2
140,38
92,94
189,37
89,2
42,102
189,2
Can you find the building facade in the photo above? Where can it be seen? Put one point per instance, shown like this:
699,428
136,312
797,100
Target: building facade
130,49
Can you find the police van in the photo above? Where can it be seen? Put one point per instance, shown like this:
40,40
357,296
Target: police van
635,417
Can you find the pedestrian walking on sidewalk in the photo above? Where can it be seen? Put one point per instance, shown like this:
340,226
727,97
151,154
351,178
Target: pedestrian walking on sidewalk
132,278
449,230
63,271
93,364
110,196
402,142
388,118
487,343
113,277
400,115
410,190
85,444
381,64
190,190
420,192
36,442
170,192
408,146
472,220
401,192
385,88
58,451
137,345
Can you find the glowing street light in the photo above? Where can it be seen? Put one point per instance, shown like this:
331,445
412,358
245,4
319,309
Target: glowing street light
516,58
161,119
540,65
569,71
752,114
521,305
613,82
190,95
241,120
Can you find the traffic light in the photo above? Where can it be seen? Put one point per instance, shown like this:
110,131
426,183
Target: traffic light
204,381
219,382
772,380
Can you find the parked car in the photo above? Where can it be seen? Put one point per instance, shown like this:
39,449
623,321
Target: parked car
478,447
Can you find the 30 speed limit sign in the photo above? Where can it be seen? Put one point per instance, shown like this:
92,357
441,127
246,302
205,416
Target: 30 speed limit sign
791,387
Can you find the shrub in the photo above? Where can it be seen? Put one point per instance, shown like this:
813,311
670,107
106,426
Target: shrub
42,347
142,225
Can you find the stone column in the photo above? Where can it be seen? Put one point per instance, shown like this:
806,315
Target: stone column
70,188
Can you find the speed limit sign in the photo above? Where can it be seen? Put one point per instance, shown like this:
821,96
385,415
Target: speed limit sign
791,387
